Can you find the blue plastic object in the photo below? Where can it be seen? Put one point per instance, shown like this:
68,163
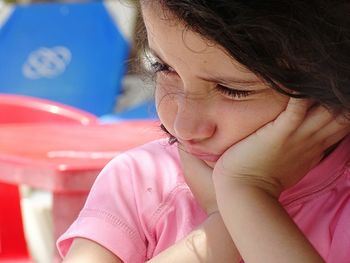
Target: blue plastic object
71,53
145,110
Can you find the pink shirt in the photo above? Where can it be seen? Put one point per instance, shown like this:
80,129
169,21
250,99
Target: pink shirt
140,205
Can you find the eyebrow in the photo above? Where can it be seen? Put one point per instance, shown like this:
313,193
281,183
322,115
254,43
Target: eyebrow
229,80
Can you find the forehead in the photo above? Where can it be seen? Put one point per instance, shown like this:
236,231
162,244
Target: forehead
164,29
174,42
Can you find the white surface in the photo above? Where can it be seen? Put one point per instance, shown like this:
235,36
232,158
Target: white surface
37,221
124,15
5,12
135,91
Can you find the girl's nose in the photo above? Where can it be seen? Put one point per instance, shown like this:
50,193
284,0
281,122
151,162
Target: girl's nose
192,121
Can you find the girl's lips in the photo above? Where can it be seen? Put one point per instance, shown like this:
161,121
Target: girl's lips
204,156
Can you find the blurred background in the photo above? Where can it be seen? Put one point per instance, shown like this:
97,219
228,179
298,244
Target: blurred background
81,27
75,56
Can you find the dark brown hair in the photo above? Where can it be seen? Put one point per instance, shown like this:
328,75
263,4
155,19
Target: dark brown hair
300,48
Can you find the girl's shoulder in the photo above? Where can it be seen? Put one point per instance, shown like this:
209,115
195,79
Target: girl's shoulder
330,174
147,174
320,204
154,160
127,199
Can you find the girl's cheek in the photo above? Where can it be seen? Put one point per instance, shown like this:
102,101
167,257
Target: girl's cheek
166,105
166,91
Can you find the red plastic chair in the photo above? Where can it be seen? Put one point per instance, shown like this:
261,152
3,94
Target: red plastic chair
23,109
13,247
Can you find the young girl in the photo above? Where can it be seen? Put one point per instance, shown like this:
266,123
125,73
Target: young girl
255,98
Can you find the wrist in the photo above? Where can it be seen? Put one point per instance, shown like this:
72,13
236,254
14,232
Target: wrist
247,182
218,240
251,213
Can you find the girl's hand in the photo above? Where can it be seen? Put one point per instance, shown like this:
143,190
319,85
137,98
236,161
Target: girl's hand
278,155
211,241
249,177
198,176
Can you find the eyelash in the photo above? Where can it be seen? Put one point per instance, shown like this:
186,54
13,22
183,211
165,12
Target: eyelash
160,67
234,93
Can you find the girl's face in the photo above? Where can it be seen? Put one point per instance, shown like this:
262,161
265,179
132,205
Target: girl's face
205,98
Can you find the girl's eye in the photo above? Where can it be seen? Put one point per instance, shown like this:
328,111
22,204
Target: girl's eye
157,67
233,93
160,67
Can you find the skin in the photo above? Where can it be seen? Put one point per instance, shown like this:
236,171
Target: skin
257,141
189,105
280,154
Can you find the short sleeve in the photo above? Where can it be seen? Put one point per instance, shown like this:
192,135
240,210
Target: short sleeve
125,197
109,216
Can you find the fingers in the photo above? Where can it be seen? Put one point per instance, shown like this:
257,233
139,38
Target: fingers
310,125
193,167
333,132
293,116
334,138
297,109
198,177
322,127
316,119
312,121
